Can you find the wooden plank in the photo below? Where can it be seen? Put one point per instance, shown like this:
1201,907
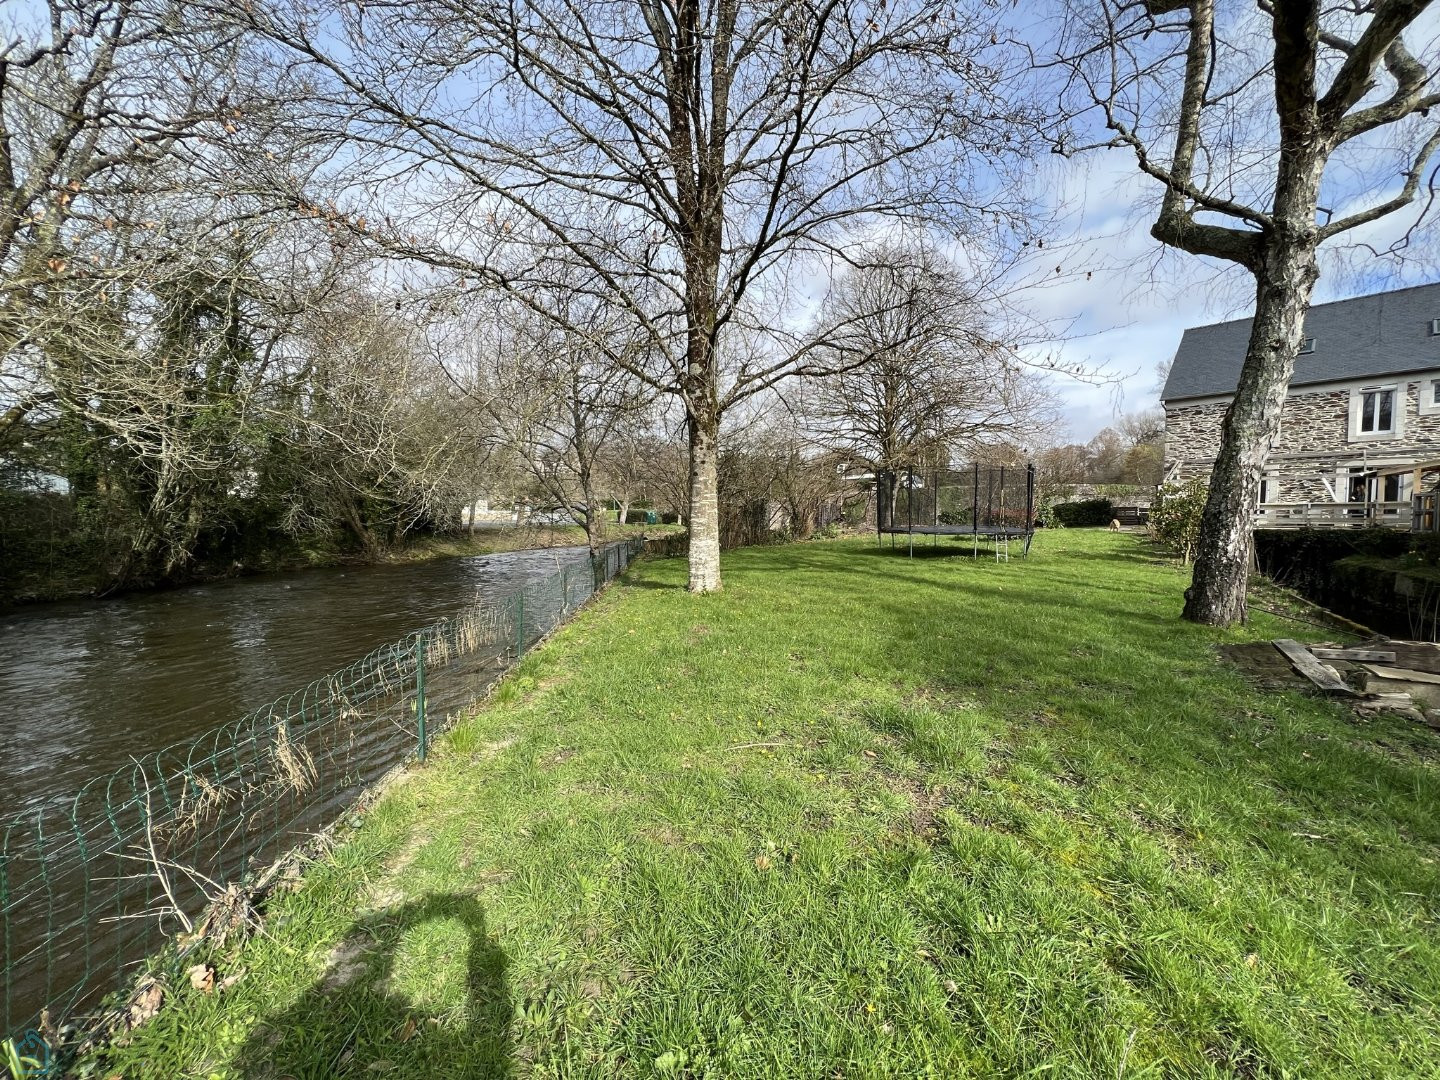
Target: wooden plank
1401,674
1322,676
1380,656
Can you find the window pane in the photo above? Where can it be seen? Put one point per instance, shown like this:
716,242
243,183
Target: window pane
1386,421
1367,412
1435,391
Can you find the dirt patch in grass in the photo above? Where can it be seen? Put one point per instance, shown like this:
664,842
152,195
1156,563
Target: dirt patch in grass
347,962
1264,665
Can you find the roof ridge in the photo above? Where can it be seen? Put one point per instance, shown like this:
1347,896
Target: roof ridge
1325,304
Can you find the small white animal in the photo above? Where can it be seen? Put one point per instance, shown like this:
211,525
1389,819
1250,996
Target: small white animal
1114,524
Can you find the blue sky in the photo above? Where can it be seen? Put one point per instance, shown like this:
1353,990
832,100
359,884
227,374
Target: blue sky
1122,300
1122,308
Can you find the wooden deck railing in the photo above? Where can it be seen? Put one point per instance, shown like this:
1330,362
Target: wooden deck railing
1426,515
1351,515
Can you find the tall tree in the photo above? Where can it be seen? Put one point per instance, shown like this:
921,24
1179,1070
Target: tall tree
1272,128
557,407
685,155
918,367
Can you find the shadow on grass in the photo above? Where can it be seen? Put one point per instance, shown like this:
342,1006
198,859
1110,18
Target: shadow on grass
352,1022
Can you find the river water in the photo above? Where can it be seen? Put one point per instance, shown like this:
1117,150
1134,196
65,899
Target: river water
93,883
87,685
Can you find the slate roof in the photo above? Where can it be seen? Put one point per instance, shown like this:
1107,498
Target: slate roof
1383,334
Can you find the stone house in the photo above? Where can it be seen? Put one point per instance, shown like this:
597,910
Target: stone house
1360,432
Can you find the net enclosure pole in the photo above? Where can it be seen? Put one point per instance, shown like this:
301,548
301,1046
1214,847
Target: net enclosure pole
882,492
975,510
910,509
1029,506
1003,528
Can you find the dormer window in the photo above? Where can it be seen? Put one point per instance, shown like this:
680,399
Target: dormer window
1307,346
1435,327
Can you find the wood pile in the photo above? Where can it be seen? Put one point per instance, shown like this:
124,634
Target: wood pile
1378,675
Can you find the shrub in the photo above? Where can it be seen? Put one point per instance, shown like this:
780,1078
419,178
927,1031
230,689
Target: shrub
1175,516
1079,514
1010,518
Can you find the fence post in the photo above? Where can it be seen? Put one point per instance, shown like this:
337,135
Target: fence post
420,693
565,584
519,622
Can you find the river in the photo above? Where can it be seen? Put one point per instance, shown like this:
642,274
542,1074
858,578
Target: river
87,685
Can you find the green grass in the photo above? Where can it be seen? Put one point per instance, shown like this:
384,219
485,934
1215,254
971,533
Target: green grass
857,816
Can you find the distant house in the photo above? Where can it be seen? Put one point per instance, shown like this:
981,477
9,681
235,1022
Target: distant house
1360,432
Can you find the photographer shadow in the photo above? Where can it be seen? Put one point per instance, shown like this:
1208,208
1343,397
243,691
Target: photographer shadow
351,1023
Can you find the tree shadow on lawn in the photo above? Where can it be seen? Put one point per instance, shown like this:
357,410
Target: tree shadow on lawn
351,1023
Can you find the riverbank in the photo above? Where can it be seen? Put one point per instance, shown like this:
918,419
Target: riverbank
31,590
512,538
864,815
1384,578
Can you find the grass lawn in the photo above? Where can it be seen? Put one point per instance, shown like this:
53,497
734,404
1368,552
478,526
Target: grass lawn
861,815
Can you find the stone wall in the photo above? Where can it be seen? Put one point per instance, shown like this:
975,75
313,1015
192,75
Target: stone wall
1313,442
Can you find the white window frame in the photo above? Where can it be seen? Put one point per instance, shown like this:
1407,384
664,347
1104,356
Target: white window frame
1269,488
1347,472
1398,400
1425,399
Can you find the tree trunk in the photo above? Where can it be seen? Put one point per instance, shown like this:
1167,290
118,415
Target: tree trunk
357,526
594,527
1285,279
704,505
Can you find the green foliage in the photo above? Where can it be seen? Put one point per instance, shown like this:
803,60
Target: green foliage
872,815
1285,554
1085,513
18,1066
1175,516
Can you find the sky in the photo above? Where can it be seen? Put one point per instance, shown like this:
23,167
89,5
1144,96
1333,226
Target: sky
1121,301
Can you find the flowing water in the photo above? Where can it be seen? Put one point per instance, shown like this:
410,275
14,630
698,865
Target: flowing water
92,688
86,686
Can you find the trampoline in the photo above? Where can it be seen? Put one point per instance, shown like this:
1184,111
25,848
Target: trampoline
990,503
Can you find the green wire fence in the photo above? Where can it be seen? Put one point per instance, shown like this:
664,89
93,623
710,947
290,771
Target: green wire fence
92,885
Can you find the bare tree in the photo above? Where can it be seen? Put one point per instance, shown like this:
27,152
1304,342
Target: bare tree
377,437
664,467
1272,129
95,97
559,407
202,368
686,156
775,483
920,369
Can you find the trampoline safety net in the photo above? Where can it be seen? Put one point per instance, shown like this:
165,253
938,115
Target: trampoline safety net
986,501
